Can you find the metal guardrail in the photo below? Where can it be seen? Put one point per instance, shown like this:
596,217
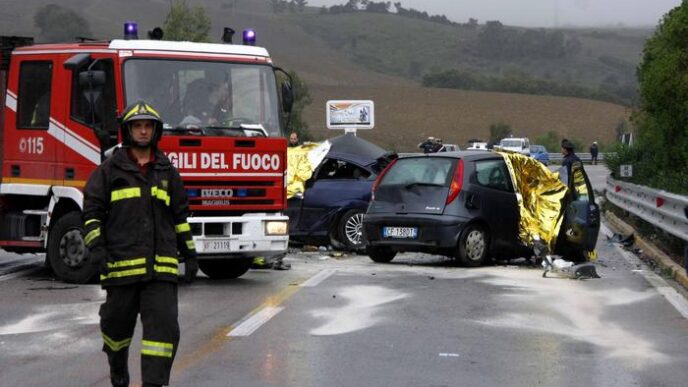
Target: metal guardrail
662,209
585,157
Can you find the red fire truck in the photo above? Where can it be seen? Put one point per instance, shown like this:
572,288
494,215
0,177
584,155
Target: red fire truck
224,111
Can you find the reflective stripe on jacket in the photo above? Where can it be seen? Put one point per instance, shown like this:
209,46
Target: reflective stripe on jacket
137,221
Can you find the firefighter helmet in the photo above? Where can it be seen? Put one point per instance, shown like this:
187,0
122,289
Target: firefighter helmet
140,111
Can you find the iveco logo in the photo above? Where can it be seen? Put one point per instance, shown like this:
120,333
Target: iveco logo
217,193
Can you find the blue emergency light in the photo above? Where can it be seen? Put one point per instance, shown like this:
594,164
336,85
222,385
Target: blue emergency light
131,31
249,36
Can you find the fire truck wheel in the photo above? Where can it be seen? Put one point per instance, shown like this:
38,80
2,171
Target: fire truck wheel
67,252
351,229
224,268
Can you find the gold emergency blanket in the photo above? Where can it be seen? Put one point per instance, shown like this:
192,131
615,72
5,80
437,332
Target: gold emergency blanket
301,162
540,198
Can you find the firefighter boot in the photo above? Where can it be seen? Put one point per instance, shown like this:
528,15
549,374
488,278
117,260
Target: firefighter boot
119,370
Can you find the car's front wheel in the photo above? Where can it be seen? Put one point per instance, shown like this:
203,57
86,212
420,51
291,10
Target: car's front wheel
474,244
351,230
381,254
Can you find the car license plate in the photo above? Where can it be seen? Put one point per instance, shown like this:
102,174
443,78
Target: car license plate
219,246
400,232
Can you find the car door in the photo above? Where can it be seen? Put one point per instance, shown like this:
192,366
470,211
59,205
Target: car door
581,224
492,193
337,184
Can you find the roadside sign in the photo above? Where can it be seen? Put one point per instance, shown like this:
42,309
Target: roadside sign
350,115
626,171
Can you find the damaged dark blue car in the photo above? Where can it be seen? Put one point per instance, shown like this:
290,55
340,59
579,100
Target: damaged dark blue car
331,209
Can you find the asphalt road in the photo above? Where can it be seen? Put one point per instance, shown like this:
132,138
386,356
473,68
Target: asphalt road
419,321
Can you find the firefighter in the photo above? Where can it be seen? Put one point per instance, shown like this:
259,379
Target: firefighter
135,210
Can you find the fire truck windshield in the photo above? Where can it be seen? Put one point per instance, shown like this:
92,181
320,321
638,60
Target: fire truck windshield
214,95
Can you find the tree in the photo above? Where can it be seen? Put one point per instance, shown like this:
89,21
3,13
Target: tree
663,80
60,24
184,23
499,131
302,99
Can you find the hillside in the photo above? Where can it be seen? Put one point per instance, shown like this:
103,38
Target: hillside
377,67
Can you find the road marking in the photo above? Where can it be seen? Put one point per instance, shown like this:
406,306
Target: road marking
442,354
251,323
21,271
671,295
317,279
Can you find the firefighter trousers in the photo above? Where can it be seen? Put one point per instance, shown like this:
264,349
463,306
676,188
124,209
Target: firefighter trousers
156,302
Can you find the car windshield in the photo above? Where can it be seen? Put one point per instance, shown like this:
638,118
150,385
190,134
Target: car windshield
538,149
421,171
217,97
511,143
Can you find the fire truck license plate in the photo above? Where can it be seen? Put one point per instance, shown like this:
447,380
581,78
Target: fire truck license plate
215,246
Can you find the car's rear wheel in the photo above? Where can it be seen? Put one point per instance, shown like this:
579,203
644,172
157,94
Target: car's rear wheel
225,268
350,230
381,254
473,246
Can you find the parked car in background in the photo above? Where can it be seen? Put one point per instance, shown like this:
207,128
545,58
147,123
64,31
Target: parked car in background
464,205
516,144
449,148
539,153
331,209
477,146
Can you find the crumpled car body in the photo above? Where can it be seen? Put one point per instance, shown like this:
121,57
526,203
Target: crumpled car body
329,207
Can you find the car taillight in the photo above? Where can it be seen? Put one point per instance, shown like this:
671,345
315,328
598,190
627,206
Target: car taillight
380,176
456,184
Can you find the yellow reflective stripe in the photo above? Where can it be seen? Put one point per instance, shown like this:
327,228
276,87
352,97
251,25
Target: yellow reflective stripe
155,348
165,269
182,227
91,221
131,112
190,245
171,260
161,194
93,234
124,273
125,193
116,345
150,109
129,262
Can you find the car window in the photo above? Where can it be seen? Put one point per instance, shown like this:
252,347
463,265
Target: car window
425,170
493,174
340,169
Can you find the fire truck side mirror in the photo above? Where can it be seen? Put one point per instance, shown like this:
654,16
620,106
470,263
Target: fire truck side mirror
287,96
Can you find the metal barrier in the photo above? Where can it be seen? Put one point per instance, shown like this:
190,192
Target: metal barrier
585,157
662,209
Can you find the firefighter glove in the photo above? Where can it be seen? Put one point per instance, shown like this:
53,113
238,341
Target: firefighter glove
190,269
98,258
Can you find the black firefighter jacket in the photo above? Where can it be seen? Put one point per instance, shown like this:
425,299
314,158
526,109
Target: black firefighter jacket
136,222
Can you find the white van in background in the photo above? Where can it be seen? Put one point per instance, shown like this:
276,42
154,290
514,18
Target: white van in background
516,144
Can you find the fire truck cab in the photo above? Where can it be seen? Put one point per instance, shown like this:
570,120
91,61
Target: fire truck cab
224,111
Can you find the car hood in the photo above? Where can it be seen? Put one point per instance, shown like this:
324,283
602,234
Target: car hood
540,196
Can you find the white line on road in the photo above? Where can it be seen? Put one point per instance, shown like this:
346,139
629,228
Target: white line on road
317,279
671,295
251,323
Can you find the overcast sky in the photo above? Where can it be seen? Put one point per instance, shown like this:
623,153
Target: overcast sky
542,13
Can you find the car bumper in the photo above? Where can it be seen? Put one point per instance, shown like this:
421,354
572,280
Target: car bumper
238,236
434,232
